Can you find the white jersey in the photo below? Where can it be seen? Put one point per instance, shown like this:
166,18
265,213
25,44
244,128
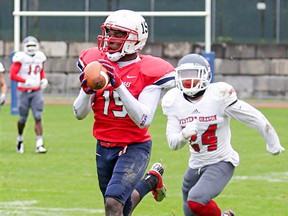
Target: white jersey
213,139
211,114
2,69
31,65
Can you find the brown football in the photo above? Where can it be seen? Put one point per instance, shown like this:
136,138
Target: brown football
96,75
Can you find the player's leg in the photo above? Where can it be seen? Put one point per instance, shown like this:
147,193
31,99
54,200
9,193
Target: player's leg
37,105
131,163
191,177
152,181
213,179
23,109
105,162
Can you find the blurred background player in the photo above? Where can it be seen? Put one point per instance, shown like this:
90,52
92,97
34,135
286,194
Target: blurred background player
124,110
28,70
199,114
3,85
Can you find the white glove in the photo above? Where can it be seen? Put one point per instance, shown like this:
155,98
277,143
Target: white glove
44,83
189,130
30,83
275,149
273,145
2,99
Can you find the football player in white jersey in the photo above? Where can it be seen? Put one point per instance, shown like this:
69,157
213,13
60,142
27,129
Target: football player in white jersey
3,85
199,114
28,70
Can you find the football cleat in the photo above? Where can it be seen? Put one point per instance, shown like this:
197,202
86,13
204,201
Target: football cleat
228,213
20,146
40,149
159,192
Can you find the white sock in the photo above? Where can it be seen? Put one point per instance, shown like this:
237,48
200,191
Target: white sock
39,141
20,137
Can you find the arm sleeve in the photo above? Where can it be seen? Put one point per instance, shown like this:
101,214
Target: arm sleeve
141,111
42,73
252,117
14,69
82,105
174,134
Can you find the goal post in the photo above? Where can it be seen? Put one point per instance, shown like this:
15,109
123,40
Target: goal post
17,13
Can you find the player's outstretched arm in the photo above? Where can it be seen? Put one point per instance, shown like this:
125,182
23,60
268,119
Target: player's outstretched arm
252,117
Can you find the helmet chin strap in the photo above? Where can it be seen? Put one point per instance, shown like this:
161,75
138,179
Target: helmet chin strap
198,94
114,56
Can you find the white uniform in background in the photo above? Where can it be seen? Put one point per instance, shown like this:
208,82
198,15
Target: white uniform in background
212,117
27,70
31,67
198,113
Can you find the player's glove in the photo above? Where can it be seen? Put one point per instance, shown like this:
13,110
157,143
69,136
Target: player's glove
115,80
44,83
189,130
2,99
83,81
30,83
275,149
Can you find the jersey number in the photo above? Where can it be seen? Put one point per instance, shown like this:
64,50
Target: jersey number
208,138
117,113
36,70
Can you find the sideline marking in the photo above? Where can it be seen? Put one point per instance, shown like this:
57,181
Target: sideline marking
270,177
23,207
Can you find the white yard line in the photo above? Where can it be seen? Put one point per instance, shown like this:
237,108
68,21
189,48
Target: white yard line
270,177
23,207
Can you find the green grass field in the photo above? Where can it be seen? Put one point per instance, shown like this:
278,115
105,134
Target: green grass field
63,182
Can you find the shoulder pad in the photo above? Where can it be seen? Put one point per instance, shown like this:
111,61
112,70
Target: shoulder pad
224,91
154,66
41,56
19,56
170,98
92,54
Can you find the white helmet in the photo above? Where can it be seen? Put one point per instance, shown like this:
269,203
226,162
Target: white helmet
127,21
193,74
30,45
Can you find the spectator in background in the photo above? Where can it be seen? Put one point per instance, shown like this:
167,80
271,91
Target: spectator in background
28,70
123,111
199,114
3,85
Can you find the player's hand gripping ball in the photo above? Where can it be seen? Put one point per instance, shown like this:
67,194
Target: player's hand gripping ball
96,76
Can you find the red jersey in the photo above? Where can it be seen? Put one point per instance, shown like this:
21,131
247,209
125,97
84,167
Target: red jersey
112,123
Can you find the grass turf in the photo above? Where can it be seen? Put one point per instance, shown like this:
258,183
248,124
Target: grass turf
64,181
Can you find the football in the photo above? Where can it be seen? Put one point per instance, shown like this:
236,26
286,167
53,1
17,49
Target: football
96,75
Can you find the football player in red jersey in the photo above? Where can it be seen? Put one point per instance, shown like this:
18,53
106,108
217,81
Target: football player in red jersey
27,70
124,110
198,113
